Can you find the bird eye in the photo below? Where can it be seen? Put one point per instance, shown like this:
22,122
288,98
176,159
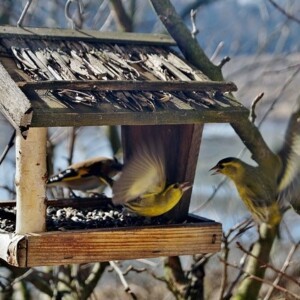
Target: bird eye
176,185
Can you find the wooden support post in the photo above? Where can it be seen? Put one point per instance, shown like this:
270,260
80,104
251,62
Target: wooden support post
31,174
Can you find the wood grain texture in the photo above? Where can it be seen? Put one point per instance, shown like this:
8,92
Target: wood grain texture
68,117
56,248
85,35
190,139
30,179
13,103
66,248
130,85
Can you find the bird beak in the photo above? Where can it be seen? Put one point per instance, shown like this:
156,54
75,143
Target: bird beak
215,169
185,186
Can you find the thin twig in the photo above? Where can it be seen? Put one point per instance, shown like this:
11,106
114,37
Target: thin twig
23,14
123,280
286,69
195,30
8,146
241,227
280,288
133,269
225,255
267,265
237,278
288,81
22,277
79,14
217,51
216,189
252,114
282,271
263,280
73,136
224,61
204,258
283,11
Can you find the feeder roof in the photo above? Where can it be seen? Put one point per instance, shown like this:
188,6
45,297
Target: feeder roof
51,77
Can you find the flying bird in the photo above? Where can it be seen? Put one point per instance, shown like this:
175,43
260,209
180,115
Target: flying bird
87,175
142,187
268,197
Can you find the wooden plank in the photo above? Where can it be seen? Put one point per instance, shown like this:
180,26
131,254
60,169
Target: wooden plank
85,35
197,236
130,85
68,117
13,103
187,160
56,248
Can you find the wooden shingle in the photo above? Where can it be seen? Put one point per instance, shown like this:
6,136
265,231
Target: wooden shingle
76,79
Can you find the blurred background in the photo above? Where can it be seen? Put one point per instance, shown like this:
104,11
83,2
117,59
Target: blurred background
262,41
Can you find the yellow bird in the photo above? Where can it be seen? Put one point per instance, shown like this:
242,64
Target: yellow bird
268,197
142,188
87,175
255,189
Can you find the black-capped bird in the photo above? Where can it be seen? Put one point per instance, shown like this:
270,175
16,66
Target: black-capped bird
268,191
142,188
87,175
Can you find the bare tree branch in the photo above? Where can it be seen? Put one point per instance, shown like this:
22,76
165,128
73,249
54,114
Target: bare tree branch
123,20
175,278
11,142
282,271
248,287
92,280
195,30
283,11
194,5
252,115
250,276
181,34
123,280
267,265
248,133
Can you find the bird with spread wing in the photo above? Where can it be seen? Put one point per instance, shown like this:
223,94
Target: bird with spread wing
268,197
142,187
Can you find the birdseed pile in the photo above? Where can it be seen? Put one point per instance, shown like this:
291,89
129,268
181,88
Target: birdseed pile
70,218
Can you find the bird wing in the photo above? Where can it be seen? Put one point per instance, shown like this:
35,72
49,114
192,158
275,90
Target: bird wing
289,179
143,174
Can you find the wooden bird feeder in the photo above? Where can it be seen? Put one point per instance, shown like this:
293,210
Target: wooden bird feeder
53,78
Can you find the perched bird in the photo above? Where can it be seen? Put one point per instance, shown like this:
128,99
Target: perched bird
142,188
256,190
268,197
88,174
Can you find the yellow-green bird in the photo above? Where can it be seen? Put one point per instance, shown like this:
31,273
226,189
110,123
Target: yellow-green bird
142,188
268,197
87,175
